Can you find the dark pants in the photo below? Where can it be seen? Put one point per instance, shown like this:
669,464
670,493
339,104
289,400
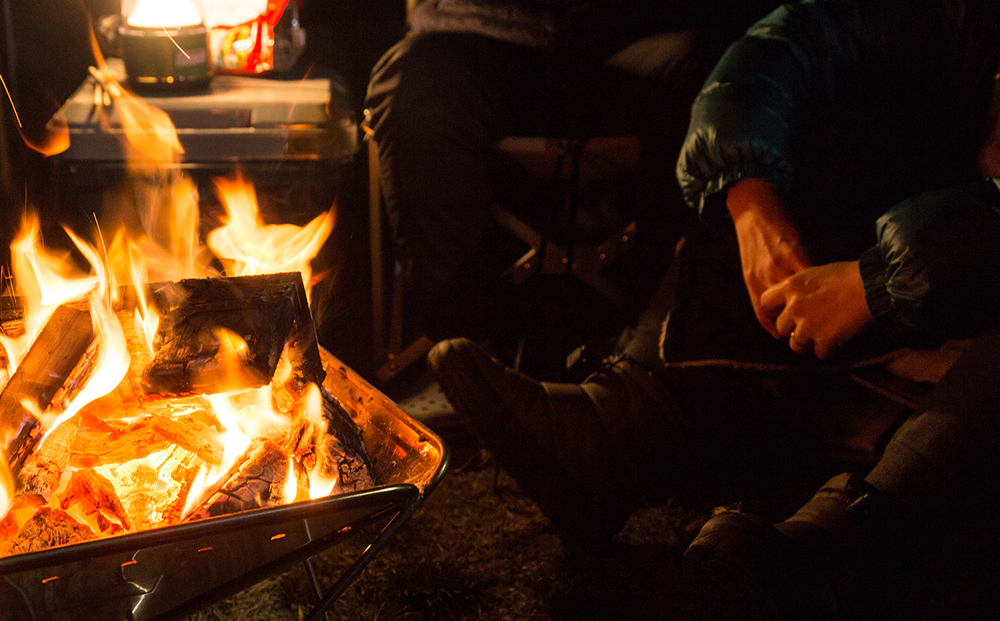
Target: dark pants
440,102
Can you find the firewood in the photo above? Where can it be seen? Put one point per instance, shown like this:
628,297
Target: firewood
21,510
44,467
265,311
300,364
47,528
334,447
184,474
49,361
190,434
94,497
153,491
257,481
114,442
343,449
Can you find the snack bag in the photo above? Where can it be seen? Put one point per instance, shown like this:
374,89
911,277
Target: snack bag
242,34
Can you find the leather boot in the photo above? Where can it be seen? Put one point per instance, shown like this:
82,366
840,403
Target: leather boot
582,451
825,562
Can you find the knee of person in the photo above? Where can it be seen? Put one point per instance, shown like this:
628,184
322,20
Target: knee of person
416,79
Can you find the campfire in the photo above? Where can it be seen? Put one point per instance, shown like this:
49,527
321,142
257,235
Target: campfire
170,380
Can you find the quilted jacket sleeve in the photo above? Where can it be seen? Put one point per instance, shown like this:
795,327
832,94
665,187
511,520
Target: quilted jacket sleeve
936,269
747,120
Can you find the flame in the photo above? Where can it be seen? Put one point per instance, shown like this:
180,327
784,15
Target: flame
166,246
232,352
247,246
44,280
113,355
56,137
149,132
234,444
6,488
321,483
291,483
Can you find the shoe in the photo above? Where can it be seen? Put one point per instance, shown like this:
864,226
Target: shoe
813,565
571,447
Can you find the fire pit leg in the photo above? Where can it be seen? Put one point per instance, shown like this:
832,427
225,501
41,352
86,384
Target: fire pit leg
317,590
341,585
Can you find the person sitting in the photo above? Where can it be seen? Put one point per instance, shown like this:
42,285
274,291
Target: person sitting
848,211
471,72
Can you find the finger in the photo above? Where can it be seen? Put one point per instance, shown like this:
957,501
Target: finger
785,324
766,321
773,300
755,288
799,344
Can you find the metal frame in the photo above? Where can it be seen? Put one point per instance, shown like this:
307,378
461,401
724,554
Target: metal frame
171,572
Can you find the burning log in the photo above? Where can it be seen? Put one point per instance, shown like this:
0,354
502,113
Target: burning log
51,359
190,434
257,481
332,448
113,442
138,449
47,528
100,442
265,311
42,470
94,498
23,508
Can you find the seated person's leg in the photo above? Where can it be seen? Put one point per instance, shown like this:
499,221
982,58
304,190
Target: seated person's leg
439,102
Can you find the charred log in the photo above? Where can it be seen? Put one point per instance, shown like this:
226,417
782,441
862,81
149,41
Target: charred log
49,362
257,481
47,528
42,470
96,499
265,311
332,447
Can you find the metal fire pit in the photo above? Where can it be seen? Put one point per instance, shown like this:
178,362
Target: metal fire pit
171,572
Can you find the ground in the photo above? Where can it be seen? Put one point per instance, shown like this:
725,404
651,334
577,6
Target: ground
479,549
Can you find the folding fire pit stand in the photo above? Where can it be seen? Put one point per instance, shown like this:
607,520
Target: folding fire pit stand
172,572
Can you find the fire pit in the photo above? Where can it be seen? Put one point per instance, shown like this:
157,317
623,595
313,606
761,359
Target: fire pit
171,430
170,572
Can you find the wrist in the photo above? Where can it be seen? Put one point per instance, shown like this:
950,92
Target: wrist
754,196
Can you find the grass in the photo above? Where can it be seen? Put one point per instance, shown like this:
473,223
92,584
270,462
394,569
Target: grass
479,549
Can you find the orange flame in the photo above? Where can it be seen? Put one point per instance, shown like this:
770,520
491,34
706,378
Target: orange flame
6,488
113,355
247,246
321,483
56,137
44,280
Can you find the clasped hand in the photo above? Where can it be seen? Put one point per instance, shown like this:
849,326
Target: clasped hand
817,307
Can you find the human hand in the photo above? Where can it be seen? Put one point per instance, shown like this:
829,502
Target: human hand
770,249
819,308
